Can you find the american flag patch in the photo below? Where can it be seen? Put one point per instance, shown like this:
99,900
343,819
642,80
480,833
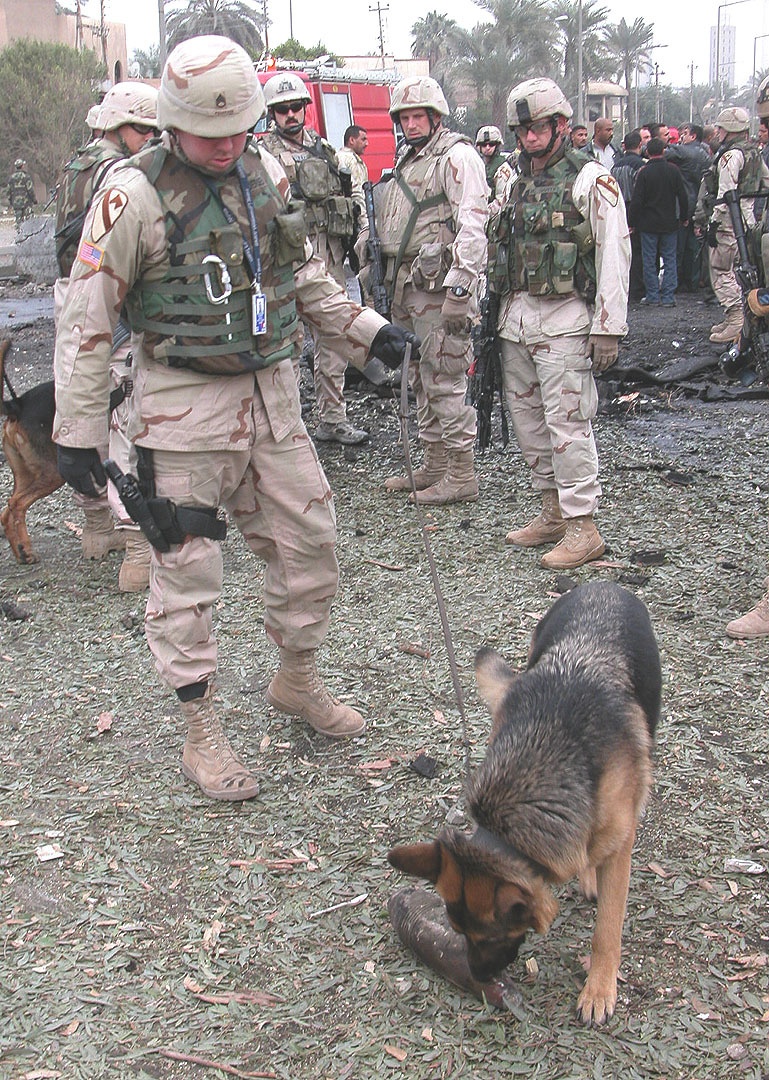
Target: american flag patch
90,254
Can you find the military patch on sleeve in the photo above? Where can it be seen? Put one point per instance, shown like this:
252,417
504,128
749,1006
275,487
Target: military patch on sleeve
90,254
608,189
110,206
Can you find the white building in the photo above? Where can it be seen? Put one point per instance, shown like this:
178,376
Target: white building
725,58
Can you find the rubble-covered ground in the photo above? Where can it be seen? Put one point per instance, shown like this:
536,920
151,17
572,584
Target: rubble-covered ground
150,932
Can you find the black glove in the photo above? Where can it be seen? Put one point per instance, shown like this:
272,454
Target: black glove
390,345
710,235
80,468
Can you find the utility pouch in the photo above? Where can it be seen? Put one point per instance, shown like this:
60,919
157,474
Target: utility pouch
341,221
536,259
314,177
582,235
429,269
290,235
536,218
227,244
564,261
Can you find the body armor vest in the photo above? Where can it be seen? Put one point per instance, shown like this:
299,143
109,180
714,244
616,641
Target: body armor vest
313,173
540,243
182,326
748,183
82,176
417,223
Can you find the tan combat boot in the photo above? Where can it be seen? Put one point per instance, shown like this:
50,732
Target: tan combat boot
208,759
756,623
581,543
135,568
458,485
434,467
99,533
731,328
546,528
298,689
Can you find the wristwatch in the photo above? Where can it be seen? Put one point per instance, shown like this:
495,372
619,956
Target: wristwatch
459,291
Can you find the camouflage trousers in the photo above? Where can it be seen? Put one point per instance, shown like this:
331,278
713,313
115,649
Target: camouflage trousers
722,261
439,377
551,397
277,495
330,365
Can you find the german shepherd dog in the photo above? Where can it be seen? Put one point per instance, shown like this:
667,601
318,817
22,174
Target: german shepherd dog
30,452
565,778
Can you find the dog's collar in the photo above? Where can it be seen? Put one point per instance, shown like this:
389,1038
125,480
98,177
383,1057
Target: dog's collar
494,844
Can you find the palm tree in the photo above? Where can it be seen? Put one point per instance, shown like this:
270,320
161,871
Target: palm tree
440,40
595,63
230,18
628,47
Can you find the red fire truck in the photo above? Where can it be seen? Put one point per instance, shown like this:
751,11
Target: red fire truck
341,97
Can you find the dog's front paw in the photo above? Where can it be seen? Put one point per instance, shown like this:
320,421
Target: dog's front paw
596,1003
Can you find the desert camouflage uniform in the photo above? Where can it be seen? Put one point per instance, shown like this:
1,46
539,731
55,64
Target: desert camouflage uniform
331,353
445,247
738,166
21,194
549,387
233,439
89,169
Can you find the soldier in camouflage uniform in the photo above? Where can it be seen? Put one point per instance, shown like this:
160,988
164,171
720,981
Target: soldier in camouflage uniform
559,262
126,119
432,227
196,237
737,165
311,165
21,191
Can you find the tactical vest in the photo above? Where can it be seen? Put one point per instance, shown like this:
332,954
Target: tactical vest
81,177
540,243
417,226
182,326
313,173
748,182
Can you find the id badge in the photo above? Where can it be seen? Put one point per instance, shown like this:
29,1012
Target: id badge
258,312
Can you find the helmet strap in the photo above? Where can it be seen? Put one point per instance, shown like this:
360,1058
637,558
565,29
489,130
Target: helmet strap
550,146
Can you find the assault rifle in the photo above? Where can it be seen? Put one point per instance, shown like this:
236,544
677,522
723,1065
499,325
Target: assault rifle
345,182
485,375
753,347
377,287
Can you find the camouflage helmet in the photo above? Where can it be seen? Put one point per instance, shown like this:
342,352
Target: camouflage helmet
733,119
536,99
418,92
762,100
19,163
210,88
92,118
128,103
488,134
285,87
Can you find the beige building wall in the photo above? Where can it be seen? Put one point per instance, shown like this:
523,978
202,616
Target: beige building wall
37,20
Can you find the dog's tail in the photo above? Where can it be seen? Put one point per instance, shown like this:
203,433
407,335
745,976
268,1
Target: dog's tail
7,408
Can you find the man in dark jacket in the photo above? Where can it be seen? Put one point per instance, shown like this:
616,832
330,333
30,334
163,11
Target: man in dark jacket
659,204
692,157
625,171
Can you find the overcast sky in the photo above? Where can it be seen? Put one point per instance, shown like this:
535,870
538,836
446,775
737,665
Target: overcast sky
682,27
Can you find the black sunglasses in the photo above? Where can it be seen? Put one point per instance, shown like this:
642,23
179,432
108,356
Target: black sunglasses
289,106
142,129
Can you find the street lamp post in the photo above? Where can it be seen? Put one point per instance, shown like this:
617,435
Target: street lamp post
580,110
727,3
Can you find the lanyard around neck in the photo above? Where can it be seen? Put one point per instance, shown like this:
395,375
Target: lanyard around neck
251,248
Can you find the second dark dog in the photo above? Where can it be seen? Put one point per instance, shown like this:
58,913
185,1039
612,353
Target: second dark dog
559,794
31,455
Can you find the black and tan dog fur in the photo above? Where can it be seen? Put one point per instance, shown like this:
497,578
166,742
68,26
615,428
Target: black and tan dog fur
559,794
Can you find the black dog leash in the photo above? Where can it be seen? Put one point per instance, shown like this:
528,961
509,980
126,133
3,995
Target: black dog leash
441,603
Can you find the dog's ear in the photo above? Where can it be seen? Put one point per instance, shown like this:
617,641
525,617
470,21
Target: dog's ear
493,676
420,860
518,905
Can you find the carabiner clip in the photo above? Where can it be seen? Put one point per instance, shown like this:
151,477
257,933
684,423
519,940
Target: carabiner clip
224,276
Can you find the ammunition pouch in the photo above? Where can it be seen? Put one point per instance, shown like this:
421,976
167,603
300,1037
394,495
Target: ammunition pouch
315,179
430,267
341,218
177,522
290,235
